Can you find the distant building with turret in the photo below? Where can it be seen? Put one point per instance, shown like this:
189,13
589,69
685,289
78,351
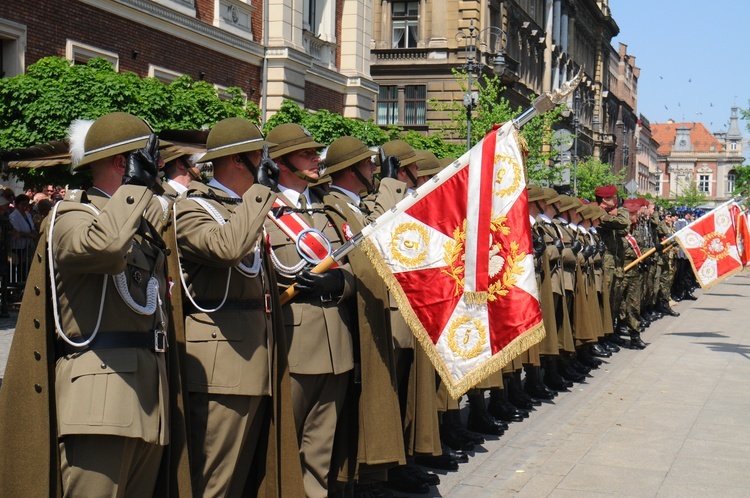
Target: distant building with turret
689,153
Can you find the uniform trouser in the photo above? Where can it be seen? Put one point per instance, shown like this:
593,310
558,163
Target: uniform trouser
224,432
631,290
317,402
111,466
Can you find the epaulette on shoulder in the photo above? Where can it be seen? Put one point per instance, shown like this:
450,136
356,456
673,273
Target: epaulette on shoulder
77,195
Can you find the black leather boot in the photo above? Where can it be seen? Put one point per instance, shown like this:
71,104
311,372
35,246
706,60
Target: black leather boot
534,386
636,342
552,377
480,419
451,434
502,409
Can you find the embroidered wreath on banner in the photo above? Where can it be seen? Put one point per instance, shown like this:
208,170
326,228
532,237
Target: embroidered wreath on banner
466,325
507,270
517,174
409,243
714,246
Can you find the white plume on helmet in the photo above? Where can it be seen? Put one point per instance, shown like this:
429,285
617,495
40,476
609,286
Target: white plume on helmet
77,137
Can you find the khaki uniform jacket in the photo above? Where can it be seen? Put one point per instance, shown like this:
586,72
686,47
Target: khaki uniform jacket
612,230
369,437
28,422
547,264
118,391
228,351
318,333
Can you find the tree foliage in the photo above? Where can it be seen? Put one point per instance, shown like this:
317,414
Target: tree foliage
326,126
690,196
592,173
742,180
39,106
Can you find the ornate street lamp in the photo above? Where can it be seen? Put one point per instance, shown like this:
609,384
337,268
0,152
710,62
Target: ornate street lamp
486,43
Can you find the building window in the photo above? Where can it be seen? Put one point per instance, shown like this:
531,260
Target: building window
731,182
733,146
164,75
224,94
388,105
12,48
405,24
415,104
80,53
704,184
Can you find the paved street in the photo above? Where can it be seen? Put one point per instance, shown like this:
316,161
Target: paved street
671,420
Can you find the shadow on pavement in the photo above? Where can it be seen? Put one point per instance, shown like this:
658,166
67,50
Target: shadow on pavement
725,347
699,334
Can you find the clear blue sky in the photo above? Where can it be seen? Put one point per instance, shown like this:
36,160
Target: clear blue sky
693,57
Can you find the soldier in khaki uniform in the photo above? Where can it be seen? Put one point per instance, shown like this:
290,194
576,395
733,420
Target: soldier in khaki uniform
110,288
612,227
318,319
633,280
232,345
370,435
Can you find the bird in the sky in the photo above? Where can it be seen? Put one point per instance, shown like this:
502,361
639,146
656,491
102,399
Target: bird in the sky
665,107
690,80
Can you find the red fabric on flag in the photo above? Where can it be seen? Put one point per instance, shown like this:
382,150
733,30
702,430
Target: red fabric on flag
710,243
457,255
743,237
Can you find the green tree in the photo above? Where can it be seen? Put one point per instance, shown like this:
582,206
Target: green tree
326,126
690,196
742,180
592,173
39,106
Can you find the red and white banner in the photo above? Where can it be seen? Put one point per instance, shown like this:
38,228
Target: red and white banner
710,243
457,254
743,237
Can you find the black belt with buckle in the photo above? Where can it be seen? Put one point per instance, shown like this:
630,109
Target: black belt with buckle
262,303
155,341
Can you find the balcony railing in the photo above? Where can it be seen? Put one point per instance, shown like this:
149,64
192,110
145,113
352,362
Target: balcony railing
322,52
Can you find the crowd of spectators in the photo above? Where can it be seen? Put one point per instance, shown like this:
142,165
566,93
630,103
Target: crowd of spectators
21,217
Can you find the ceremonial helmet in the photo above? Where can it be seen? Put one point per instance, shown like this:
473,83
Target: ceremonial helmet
112,134
551,195
344,152
427,163
535,192
446,161
288,138
567,202
233,136
403,151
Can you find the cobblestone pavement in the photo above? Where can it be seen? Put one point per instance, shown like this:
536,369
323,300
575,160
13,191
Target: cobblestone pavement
670,421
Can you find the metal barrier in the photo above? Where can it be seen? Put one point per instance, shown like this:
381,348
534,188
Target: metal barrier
15,260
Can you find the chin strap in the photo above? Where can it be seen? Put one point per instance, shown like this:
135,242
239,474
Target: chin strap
368,185
249,165
411,177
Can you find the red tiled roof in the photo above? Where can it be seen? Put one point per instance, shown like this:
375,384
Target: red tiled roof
700,137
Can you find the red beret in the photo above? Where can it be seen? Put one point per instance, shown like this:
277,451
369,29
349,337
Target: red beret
631,205
643,201
606,191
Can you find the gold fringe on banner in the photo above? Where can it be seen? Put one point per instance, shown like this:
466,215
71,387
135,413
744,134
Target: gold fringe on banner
455,389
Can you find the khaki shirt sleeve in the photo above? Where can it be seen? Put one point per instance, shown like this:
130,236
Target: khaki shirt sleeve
85,242
201,239
621,221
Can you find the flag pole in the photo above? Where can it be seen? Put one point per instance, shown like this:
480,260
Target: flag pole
540,105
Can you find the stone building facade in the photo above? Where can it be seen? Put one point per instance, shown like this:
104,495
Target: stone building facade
689,154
